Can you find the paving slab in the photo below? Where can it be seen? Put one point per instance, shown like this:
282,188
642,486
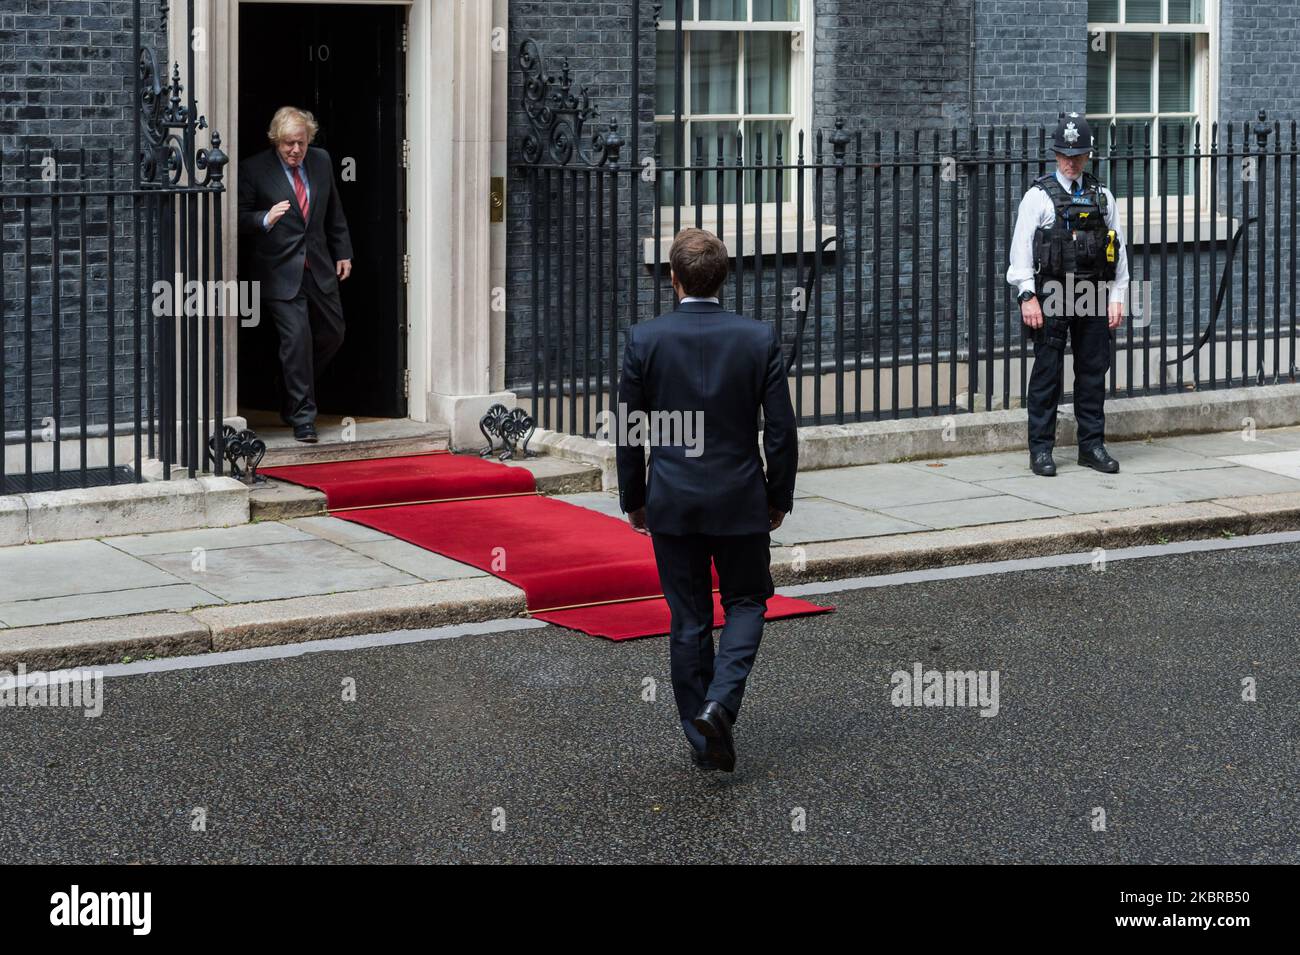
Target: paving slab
1285,463
1149,457
817,519
278,571
985,510
121,603
982,467
1232,481
337,530
603,501
1235,442
415,561
210,538
67,568
887,485
1082,490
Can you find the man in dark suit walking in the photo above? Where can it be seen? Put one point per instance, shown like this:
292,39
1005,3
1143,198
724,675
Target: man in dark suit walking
709,499
301,250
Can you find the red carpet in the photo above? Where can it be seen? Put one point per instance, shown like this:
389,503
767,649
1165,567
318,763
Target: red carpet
579,568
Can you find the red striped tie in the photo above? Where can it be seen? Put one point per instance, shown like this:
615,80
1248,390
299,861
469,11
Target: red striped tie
300,190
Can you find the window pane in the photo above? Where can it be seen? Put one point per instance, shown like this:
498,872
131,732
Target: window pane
1133,73
715,58
767,73
1118,175
765,10
1176,60
1103,11
667,157
1186,11
1098,99
710,132
665,73
669,14
1142,11
766,129
722,9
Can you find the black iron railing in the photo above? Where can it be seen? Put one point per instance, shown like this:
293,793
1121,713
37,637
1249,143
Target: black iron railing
882,256
113,312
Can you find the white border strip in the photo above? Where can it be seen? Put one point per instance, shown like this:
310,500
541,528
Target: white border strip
1038,563
285,651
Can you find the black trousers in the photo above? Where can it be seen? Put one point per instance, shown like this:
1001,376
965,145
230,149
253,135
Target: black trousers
1090,340
311,327
744,583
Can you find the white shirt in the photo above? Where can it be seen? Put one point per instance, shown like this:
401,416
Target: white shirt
696,298
1037,210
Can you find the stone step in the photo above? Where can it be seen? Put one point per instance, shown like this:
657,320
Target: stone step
343,439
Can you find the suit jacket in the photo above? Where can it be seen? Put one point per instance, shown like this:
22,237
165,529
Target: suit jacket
277,256
726,366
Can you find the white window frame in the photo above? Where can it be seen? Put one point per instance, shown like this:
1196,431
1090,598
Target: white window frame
1205,87
799,117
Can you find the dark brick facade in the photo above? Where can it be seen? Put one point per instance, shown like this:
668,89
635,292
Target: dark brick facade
67,84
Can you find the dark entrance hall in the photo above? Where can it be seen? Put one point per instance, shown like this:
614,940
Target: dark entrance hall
344,63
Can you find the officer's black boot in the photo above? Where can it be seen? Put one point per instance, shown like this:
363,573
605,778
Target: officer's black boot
1099,459
1041,463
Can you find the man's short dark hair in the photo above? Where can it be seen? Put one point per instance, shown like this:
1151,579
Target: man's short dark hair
699,261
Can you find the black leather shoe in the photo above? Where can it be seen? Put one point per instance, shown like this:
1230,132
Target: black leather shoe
305,433
1041,463
1099,459
703,760
715,724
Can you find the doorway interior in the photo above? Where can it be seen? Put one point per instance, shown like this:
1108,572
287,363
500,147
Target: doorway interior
344,63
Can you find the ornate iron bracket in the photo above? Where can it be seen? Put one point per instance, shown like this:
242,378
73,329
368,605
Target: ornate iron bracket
509,426
557,116
239,446
169,132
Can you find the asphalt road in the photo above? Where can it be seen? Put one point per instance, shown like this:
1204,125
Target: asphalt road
1119,690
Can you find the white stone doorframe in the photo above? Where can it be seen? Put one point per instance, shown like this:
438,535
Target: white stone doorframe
456,123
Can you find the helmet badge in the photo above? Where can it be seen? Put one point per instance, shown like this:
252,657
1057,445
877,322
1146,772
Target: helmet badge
1071,133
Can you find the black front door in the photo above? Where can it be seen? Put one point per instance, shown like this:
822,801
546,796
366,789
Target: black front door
344,63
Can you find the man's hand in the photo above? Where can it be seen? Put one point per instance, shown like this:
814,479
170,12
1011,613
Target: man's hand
1115,314
774,517
1031,313
277,210
343,268
637,520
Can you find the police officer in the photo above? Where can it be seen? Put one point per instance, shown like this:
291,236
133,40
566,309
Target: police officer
1070,267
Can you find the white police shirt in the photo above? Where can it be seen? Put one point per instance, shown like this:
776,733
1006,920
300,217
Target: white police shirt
1036,210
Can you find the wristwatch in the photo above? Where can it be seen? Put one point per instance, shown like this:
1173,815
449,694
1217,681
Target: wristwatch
1025,296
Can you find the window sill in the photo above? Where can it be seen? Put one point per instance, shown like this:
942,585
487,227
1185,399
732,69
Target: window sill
789,238
1213,228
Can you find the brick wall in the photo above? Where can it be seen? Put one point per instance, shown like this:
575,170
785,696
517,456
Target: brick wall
67,83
